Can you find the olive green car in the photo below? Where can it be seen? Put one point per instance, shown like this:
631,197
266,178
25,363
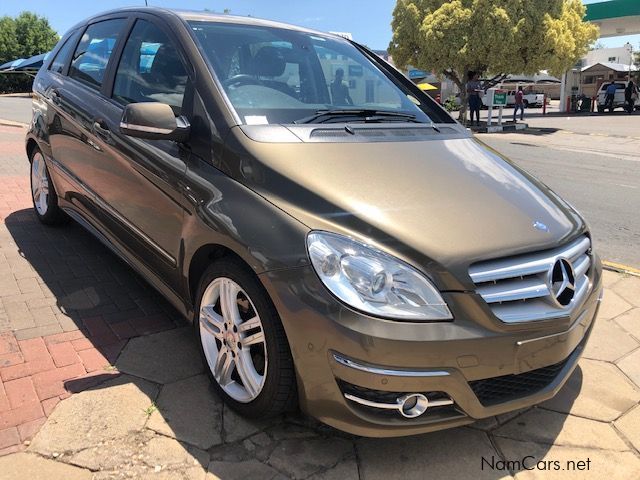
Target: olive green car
338,240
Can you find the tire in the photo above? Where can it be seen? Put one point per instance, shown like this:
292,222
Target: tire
525,103
273,374
43,193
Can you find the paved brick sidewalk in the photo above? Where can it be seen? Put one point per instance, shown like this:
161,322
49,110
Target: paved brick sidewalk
88,389
67,306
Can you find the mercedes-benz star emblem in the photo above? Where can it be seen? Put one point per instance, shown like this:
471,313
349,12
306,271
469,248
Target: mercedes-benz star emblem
562,282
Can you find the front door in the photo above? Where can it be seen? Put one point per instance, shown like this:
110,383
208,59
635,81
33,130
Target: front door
143,189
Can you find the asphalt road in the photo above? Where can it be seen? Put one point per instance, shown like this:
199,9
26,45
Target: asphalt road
16,108
598,175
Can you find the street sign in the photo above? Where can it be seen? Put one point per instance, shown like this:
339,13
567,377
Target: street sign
500,98
495,98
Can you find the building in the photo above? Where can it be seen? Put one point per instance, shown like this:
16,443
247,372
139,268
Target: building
622,55
592,76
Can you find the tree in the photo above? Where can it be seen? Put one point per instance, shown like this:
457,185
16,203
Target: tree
491,36
22,37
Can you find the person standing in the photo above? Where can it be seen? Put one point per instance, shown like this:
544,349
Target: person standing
611,96
519,104
340,91
629,95
474,88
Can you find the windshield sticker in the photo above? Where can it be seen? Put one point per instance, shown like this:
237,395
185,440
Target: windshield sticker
256,120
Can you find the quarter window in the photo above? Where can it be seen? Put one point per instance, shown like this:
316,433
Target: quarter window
150,69
61,58
90,59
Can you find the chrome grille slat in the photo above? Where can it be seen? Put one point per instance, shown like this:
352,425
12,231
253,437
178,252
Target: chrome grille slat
517,289
531,264
581,265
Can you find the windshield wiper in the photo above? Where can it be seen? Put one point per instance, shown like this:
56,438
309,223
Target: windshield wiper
367,115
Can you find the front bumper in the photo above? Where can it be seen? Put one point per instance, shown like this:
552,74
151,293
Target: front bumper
337,350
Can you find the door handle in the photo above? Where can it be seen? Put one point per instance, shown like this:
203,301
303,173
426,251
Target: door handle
54,94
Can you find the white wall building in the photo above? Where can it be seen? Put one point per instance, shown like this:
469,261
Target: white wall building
623,55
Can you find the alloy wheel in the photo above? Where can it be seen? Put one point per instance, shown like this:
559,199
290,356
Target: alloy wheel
233,340
39,184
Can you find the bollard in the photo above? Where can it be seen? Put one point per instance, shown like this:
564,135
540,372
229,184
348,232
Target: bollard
544,104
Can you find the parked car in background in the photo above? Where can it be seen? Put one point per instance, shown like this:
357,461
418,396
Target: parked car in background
368,260
618,101
530,99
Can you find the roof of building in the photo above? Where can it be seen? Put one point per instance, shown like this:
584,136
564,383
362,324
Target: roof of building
617,67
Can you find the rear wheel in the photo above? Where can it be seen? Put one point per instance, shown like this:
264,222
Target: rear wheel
243,342
43,194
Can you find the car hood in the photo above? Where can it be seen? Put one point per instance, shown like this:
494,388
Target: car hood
441,204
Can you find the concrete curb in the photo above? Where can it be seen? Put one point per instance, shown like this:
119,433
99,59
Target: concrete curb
620,268
11,123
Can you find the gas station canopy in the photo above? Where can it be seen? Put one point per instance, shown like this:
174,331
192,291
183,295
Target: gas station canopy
615,17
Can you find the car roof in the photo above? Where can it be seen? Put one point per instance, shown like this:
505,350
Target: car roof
205,16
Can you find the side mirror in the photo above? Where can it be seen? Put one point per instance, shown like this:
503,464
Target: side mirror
154,121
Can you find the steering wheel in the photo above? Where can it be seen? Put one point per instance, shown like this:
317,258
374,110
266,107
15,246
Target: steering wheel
241,79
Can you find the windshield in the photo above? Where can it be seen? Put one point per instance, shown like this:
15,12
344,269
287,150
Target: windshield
276,75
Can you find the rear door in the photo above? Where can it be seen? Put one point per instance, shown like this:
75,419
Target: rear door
142,184
75,144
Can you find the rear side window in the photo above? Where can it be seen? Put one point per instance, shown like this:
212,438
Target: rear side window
150,69
90,59
61,58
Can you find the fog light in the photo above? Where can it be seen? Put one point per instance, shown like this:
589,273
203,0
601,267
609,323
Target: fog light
413,405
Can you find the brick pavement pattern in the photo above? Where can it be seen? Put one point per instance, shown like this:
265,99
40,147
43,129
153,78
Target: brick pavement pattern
88,389
67,305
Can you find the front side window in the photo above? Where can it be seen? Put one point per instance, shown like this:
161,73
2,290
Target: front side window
61,58
276,75
91,57
150,69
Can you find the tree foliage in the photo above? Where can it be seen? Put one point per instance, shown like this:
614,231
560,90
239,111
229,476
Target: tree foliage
22,37
490,36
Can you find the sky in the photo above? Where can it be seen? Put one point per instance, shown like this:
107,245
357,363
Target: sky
367,20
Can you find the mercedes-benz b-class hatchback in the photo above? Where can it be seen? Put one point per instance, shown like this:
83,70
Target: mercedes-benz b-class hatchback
338,240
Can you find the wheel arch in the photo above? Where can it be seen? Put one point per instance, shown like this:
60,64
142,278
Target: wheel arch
30,146
200,261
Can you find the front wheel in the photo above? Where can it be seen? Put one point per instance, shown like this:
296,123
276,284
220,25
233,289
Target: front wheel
43,194
243,342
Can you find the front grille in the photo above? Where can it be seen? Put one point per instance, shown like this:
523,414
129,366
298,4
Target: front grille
529,287
491,391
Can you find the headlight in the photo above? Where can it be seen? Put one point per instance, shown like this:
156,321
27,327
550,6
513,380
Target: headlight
372,281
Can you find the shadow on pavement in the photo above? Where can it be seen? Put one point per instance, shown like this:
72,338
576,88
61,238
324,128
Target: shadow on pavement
152,409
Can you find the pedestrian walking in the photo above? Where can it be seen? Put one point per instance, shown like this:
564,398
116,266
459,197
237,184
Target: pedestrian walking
474,88
519,105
